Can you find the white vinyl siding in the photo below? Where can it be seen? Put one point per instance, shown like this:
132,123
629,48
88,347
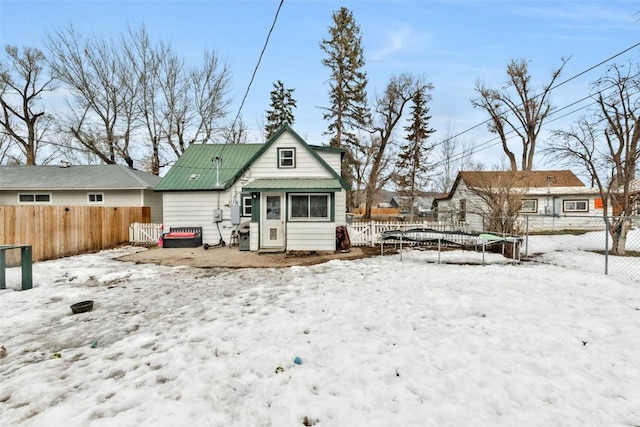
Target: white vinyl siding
308,236
195,209
332,158
307,166
154,201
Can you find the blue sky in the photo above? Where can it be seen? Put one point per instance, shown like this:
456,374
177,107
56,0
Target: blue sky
451,43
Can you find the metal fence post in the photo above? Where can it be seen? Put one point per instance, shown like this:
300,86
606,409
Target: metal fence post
526,236
606,245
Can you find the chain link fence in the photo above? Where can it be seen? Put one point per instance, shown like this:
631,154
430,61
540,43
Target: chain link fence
583,243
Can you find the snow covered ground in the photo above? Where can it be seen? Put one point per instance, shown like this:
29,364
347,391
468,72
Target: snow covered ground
382,342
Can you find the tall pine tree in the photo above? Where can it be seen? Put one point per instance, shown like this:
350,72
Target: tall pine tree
348,111
348,80
413,160
281,112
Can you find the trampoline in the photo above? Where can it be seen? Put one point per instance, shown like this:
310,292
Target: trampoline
450,239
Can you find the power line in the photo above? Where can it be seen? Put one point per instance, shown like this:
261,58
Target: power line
473,150
255,70
488,144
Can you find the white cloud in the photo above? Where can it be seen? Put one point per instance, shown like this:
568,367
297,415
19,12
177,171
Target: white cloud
396,40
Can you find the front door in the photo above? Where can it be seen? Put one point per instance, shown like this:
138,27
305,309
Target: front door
272,232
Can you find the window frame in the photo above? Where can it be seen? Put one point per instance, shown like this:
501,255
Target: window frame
247,208
308,218
281,158
462,212
95,202
535,206
575,201
35,200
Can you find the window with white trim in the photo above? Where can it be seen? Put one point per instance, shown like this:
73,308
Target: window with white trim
575,205
529,206
309,206
95,198
246,205
286,158
34,198
462,213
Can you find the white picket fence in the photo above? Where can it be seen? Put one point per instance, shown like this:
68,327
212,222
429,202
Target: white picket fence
144,234
360,233
369,233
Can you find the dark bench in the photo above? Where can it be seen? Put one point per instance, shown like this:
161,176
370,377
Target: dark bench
182,237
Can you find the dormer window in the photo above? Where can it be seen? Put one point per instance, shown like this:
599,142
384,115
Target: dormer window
286,158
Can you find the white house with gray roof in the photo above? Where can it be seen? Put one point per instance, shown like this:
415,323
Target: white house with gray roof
80,185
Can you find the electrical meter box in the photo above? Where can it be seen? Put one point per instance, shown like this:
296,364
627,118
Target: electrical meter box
235,214
217,215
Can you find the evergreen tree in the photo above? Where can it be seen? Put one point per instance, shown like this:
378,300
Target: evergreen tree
281,112
348,81
413,162
348,111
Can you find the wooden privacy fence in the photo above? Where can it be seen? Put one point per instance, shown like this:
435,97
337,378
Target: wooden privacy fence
369,233
59,231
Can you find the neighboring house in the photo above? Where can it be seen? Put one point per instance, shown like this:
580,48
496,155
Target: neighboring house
422,205
289,195
80,185
541,193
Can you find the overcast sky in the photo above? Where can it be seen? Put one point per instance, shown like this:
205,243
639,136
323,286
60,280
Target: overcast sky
452,44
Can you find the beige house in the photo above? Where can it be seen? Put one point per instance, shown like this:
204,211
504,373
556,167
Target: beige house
283,195
546,193
80,185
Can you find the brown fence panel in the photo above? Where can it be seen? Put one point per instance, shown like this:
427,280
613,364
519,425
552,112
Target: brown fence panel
377,211
59,231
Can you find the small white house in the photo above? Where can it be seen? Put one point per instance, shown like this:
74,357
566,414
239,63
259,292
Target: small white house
285,194
80,185
546,193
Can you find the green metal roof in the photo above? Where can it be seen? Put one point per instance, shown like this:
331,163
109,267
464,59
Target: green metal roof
294,184
196,168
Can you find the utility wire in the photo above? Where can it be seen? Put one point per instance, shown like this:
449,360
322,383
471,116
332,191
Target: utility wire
490,143
485,144
549,90
255,70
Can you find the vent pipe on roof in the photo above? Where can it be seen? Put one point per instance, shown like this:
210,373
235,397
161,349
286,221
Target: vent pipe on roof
218,160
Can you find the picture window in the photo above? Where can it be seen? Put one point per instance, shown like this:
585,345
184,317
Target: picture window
309,206
576,205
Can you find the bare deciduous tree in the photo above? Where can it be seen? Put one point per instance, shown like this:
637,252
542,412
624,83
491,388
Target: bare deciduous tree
389,110
606,148
452,156
522,113
23,81
236,132
499,199
132,98
93,71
